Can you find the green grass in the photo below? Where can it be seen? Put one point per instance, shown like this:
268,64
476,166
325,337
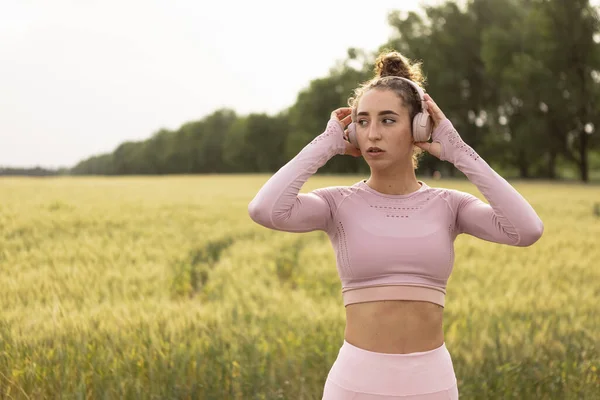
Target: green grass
163,288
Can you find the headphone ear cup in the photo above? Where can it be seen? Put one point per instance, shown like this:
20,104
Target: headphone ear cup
422,127
352,135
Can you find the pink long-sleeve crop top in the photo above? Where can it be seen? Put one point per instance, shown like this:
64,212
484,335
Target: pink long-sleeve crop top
395,247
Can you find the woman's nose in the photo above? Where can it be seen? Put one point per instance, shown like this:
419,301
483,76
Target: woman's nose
373,132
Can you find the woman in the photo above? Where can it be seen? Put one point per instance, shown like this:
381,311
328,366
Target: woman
393,235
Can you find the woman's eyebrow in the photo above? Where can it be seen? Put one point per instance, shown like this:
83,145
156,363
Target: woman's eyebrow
380,113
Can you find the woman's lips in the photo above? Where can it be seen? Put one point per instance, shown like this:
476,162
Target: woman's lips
375,153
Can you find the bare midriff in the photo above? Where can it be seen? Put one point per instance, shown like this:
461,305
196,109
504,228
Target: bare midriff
395,326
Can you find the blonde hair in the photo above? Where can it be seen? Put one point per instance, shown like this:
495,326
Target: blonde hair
392,63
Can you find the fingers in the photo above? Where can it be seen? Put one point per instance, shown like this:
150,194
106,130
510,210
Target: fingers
343,115
345,110
352,151
433,148
433,108
342,112
347,120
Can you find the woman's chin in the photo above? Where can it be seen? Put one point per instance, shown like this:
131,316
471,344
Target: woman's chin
379,163
386,162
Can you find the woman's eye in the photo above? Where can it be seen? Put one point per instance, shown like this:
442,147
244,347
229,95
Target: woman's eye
360,123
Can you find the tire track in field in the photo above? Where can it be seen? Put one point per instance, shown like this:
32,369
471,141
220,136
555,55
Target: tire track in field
192,272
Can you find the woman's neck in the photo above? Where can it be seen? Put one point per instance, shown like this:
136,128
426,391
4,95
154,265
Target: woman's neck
394,183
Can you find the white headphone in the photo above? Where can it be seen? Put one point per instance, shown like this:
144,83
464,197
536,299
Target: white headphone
422,124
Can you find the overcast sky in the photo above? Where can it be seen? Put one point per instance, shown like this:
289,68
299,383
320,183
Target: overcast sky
78,78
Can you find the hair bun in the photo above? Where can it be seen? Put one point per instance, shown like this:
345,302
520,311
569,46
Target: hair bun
393,63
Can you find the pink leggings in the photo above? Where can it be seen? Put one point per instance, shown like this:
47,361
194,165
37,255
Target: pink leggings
359,374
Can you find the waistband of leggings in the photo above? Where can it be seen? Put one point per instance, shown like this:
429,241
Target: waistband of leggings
393,374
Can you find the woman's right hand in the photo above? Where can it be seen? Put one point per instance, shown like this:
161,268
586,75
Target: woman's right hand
343,116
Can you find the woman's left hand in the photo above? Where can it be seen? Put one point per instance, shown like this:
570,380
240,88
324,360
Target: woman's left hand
433,148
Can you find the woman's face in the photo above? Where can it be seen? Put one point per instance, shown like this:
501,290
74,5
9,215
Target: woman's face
382,121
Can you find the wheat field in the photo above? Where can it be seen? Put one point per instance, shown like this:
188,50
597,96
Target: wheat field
164,288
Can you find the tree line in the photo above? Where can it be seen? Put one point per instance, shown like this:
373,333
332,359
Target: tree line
519,79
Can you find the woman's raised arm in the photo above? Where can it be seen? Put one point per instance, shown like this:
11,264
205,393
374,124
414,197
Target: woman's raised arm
279,205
